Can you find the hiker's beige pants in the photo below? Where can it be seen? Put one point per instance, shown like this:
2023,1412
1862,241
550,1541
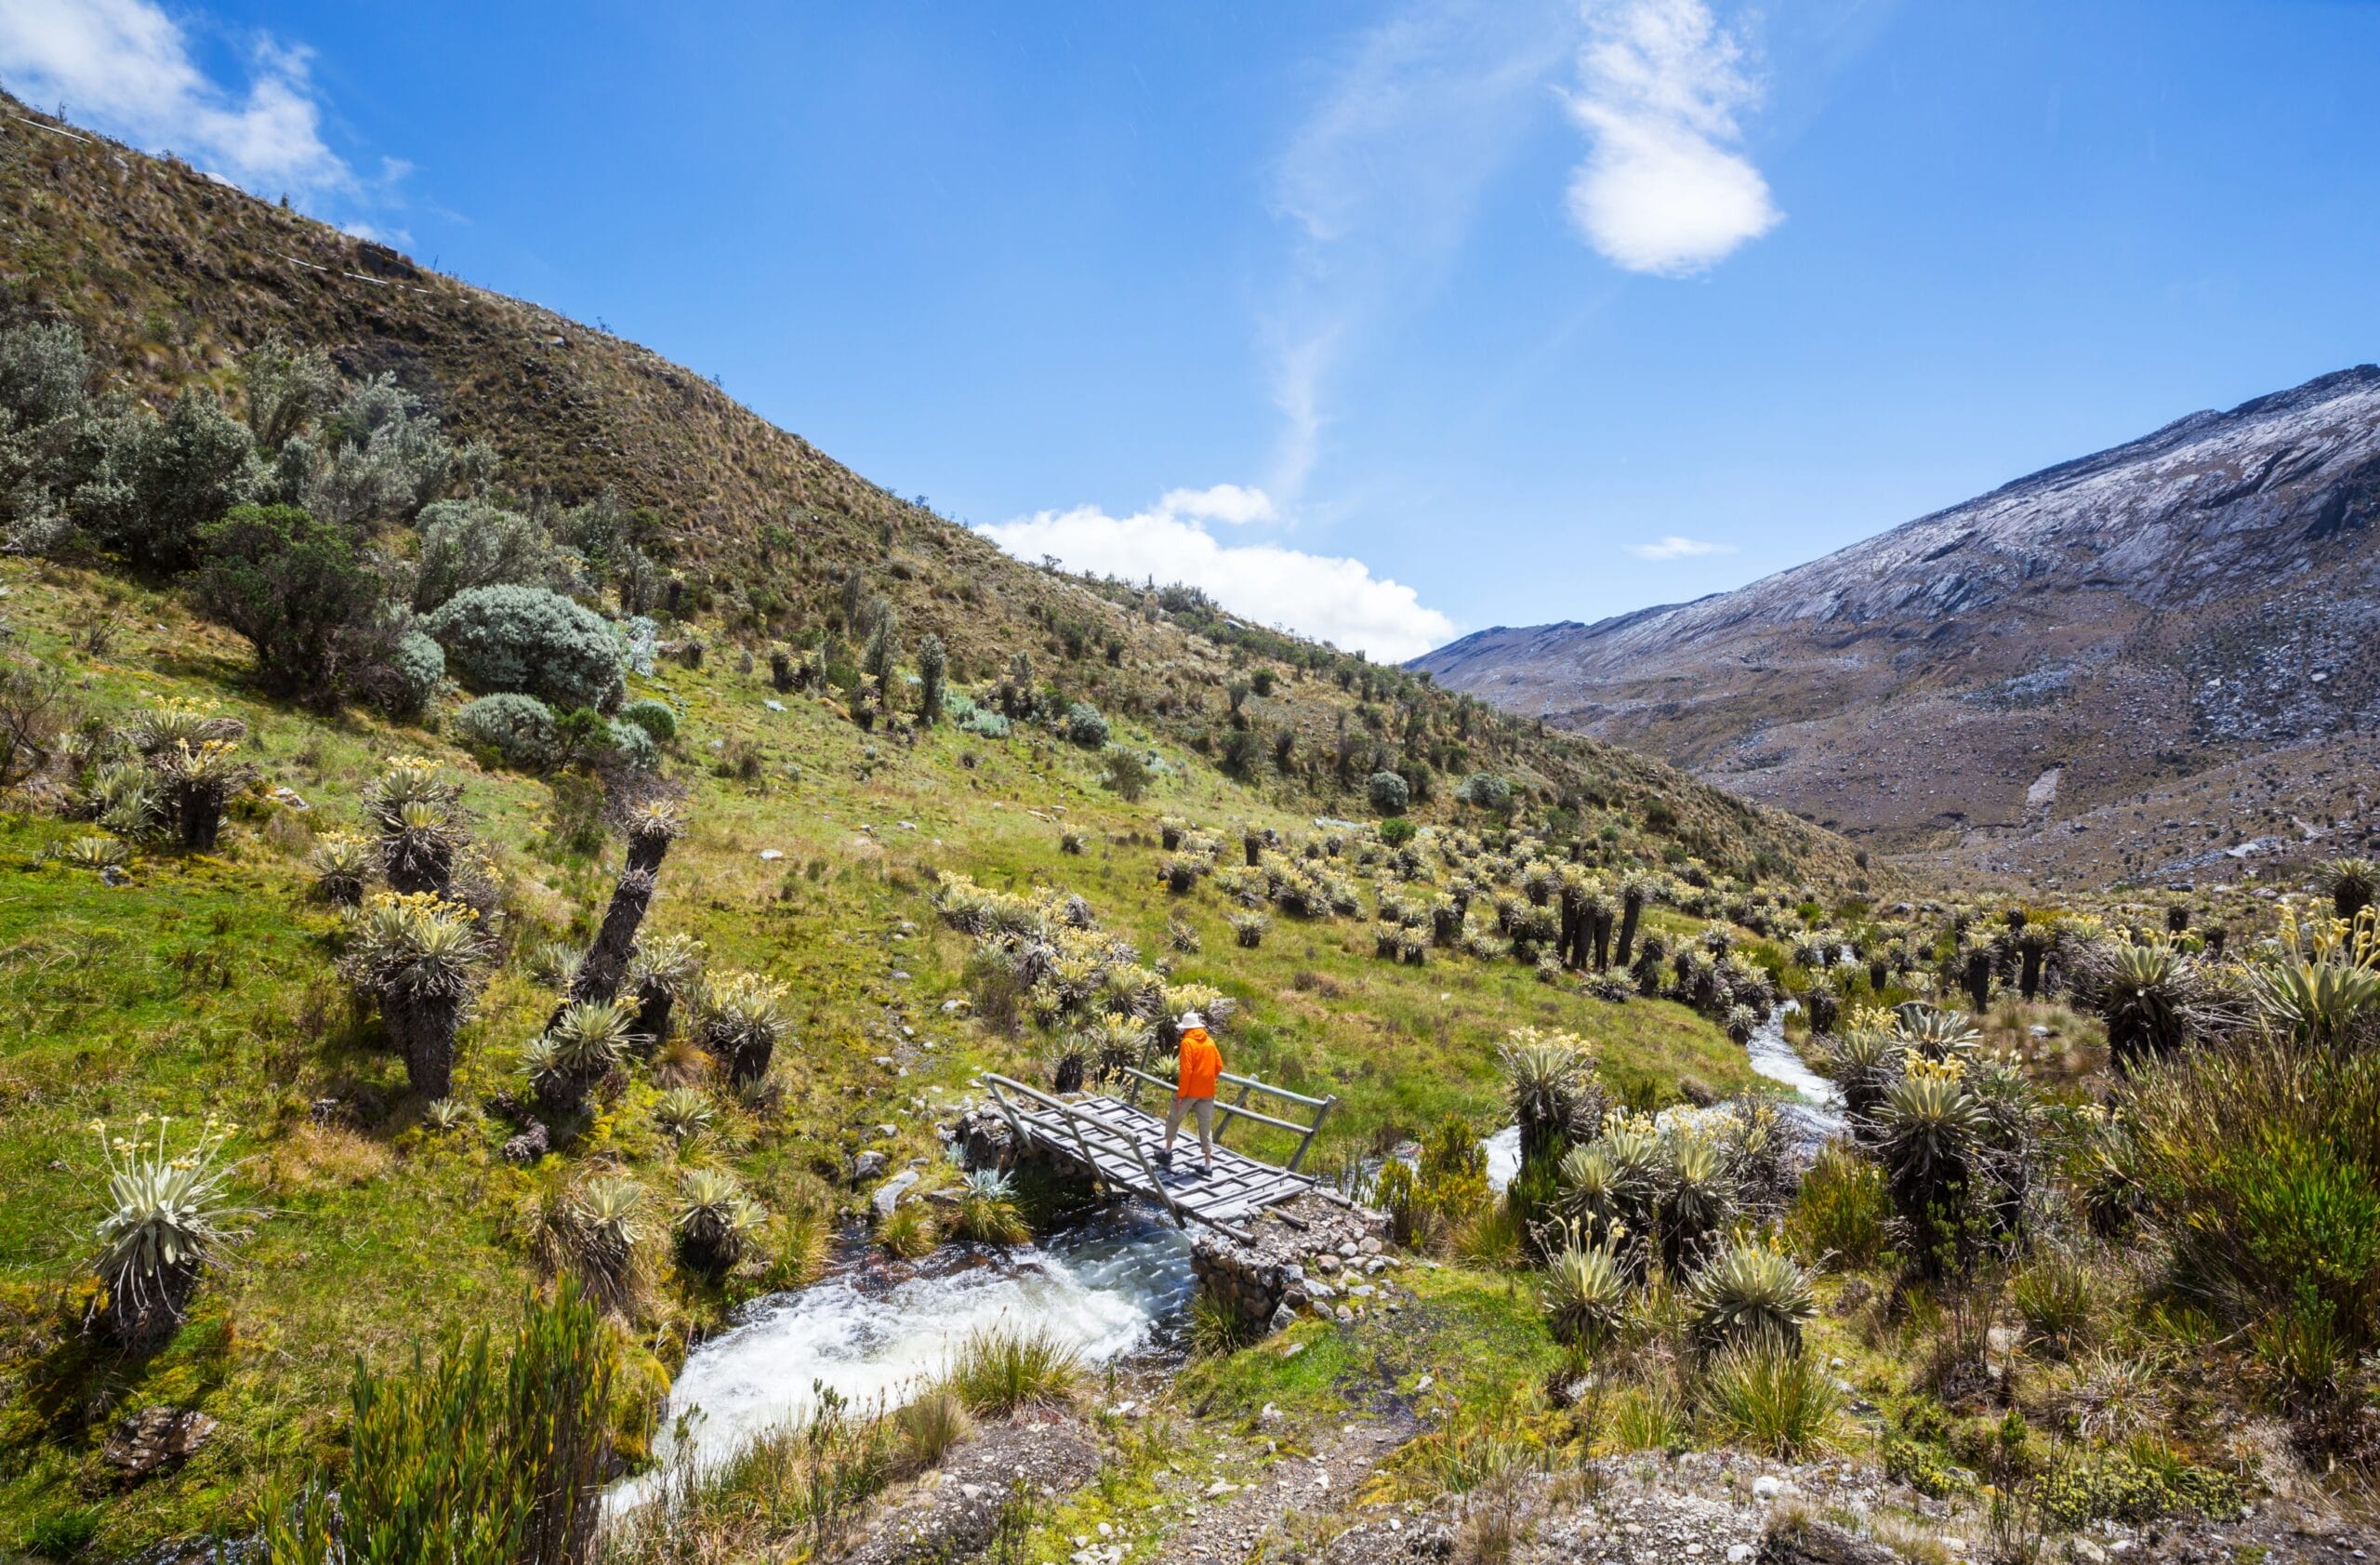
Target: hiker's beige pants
1205,1110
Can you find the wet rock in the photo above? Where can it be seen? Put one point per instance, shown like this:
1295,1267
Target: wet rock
888,1195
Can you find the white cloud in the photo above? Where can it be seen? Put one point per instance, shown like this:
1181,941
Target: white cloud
1335,600
1224,502
1661,190
1676,547
125,67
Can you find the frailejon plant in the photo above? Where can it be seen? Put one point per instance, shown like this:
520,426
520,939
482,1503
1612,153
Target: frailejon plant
1548,1076
1751,1291
742,1021
199,781
1927,1133
343,864
423,960
2323,985
682,1113
411,807
1586,1294
716,1221
2147,994
171,1216
586,1039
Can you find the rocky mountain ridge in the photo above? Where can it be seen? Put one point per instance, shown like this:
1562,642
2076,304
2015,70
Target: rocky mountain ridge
2082,639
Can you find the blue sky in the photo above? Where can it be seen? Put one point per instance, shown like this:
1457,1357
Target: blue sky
1382,322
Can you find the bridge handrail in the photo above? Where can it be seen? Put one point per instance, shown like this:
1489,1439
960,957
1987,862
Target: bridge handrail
1074,1119
1238,1107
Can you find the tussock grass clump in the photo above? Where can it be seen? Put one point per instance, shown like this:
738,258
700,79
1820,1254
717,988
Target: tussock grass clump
1000,1369
795,1491
931,1425
908,1232
1771,1397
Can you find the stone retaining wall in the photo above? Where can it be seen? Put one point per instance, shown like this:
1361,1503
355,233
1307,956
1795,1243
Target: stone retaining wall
1316,1254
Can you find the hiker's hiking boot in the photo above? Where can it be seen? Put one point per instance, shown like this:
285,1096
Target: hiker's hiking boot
1165,1158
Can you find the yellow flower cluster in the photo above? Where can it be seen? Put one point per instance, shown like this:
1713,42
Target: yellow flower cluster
1923,1069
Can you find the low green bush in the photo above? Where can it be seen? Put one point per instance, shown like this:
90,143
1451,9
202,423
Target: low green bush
520,729
1840,1216
654,717
2256,1161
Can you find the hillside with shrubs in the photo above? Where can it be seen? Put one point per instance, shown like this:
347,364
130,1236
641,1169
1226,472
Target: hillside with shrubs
509,864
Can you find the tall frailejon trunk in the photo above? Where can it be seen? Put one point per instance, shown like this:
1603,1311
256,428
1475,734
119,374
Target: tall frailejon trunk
201,812
654,1006
418,868
749,1060
1599,929
430,1024
2030,978
1632,907
1446,924
1978,981
1569,948
606,963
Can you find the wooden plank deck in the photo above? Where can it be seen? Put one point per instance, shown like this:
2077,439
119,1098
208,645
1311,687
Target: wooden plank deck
1118,1143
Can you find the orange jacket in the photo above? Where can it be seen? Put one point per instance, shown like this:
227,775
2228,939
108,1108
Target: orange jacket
1201,1063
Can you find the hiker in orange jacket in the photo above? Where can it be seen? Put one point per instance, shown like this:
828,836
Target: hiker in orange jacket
1194,1089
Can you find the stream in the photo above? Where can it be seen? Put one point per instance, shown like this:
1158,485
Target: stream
875,1332
1815,1112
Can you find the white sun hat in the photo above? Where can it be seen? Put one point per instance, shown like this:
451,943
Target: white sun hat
1190,1019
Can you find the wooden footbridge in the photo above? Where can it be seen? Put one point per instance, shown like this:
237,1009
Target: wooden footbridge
1118,1142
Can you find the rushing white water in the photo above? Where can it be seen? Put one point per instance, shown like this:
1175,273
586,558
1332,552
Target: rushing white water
1503,1150
1821,1110
1106,1290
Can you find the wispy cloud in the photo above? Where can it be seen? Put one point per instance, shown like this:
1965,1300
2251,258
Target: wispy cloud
125,67
1335,600
1663,189
1676,548
1379,182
